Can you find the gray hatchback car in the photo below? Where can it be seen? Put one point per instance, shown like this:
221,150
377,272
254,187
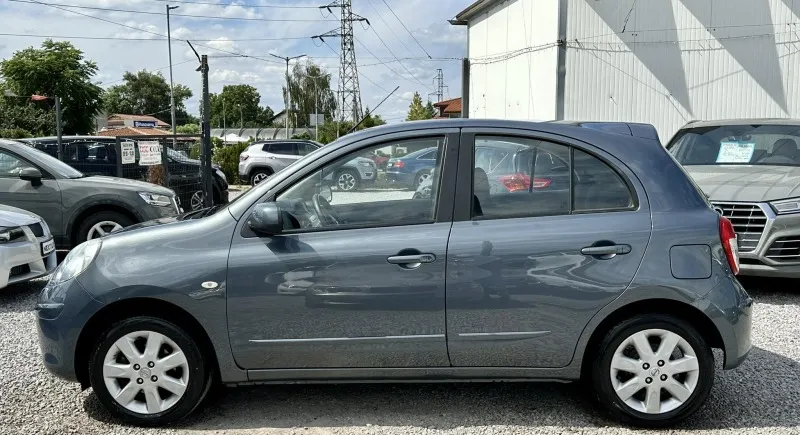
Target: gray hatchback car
626,280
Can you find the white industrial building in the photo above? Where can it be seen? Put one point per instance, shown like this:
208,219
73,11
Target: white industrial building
663,62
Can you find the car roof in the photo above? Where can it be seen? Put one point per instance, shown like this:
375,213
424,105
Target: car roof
743,121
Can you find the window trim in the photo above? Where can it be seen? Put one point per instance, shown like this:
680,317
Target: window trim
445,201
467,165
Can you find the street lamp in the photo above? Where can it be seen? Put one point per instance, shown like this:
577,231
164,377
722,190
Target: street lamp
171,92
288,91
34,97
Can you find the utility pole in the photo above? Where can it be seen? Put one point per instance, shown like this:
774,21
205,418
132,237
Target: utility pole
171,91
58,128
438,81
208,196
288,104
348,70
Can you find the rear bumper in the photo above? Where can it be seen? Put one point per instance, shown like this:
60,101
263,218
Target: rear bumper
400,179
730,308
23,261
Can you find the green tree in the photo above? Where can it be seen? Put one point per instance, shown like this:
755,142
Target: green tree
146,93
328,131
416,111
55,69
431,111
311,90
237,106
188,129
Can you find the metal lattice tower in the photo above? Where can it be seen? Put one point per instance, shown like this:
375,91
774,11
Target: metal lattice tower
438,81
349,89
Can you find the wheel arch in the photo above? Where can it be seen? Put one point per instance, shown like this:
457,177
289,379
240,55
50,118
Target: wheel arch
127,308
681,310
91,208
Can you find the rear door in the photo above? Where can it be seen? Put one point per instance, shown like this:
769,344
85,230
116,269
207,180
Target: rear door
530,262
281,155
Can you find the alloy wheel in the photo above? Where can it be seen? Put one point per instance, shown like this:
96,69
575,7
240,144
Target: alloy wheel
422,178
259,178
654,371
100,229
346,181
146,372
196,201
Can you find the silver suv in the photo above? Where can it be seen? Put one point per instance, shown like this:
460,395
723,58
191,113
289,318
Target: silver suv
263,159
749,169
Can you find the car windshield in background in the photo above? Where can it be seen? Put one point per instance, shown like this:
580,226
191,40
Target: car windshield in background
61,167
752,144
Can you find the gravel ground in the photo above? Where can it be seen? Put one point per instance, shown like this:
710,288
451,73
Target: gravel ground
762,396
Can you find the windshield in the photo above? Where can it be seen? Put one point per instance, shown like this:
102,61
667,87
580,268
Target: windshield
752,144
57,165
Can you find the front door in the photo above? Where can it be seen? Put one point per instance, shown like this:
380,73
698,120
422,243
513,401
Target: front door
355,280
42,198
547,236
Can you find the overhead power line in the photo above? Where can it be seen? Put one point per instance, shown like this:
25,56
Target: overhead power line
397,58
236,4
114,38
404,26
150,70
388,26
365,76
205,17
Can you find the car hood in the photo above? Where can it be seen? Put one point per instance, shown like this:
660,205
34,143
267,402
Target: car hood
125,184
747,183
14,217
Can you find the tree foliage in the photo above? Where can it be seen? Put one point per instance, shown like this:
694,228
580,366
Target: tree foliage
416,111
146,93
55,69
311,90
328,131
188,129
431,111
238,106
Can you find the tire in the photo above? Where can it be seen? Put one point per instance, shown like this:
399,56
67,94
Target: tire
670,409
421,176
347,180
193,373
103,220
260,175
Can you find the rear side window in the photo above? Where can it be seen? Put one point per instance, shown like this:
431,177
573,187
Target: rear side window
518,177
283,148
304,148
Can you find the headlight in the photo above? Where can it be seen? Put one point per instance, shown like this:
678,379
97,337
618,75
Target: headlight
76,261
156,199
366,164
8,234
786,206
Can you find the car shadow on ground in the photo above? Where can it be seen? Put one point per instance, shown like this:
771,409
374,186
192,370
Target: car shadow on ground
761,393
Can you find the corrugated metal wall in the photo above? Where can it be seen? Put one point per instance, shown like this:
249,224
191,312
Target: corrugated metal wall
513,56
665,62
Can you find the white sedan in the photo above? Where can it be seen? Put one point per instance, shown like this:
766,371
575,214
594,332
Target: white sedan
27,249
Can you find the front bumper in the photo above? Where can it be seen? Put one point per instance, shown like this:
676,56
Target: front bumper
60,324
22,261
770,258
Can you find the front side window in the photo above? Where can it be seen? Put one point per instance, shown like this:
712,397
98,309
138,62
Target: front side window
519,177
11,165
752,144
358,197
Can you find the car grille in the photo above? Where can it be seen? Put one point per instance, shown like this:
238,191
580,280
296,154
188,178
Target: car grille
37,229
748,221
19,270
785,249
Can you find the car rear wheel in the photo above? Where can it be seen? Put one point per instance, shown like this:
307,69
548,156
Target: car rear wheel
148,372
653,371
259,176
347,181
421,177
99,224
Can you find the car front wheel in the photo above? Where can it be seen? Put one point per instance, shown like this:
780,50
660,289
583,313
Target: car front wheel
99,224
347,181
653,371
148,372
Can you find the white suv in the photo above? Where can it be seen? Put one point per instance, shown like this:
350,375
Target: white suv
27,249
262,159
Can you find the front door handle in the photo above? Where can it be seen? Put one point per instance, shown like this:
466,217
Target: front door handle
607,251
411,260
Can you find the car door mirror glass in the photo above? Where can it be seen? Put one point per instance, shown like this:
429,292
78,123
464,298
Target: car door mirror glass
266,219
30,174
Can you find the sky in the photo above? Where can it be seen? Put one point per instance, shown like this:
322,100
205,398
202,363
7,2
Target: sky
387,54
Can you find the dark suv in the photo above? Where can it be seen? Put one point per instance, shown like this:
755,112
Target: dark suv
97,155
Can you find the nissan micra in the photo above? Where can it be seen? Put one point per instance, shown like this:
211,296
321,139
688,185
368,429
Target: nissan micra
623,277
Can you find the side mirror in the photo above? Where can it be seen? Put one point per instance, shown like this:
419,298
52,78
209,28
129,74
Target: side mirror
31,174
266,219
326,192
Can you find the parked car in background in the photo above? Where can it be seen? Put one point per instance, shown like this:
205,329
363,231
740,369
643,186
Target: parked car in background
626,280
263,159
379,159
750,170
412,169
75,206
97,155
27,249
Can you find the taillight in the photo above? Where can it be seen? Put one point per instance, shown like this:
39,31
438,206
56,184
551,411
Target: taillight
243,157
728,237
399,164
517,182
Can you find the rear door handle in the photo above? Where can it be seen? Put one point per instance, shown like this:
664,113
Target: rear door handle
606,251
411,259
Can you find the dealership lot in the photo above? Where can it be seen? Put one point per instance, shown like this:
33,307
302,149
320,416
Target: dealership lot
759,397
